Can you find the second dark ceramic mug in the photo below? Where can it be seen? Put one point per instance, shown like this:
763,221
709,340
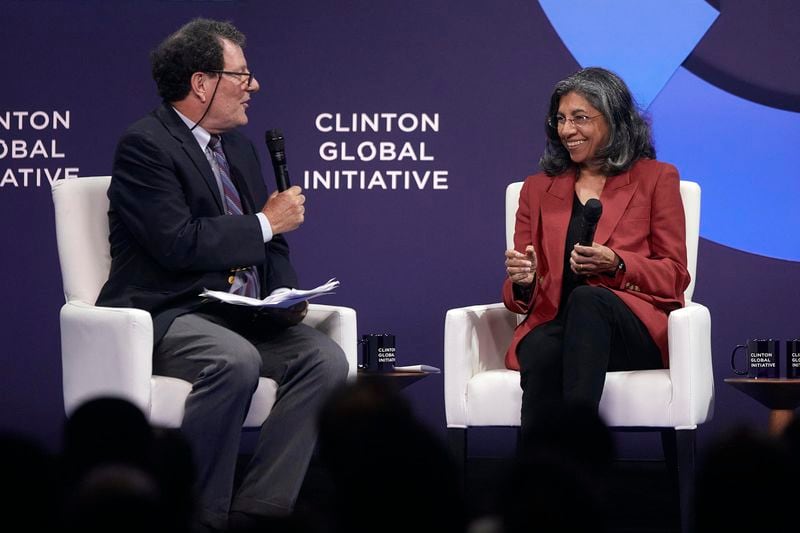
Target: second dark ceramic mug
793,359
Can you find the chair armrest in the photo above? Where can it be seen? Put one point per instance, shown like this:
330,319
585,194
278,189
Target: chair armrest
339,323
690,365
475,340
106,351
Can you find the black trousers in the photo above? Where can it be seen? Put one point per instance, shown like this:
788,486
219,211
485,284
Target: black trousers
564,362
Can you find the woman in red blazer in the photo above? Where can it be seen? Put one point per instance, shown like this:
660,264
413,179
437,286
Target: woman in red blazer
599,308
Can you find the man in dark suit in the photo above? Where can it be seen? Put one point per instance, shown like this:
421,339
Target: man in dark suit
189,210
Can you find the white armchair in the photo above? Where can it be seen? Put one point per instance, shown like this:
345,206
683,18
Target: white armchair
107,351
481,391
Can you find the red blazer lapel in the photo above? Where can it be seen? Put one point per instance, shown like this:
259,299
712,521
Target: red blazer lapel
615,198
556,208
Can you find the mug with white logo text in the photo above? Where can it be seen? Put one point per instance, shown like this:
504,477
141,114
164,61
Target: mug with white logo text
762,358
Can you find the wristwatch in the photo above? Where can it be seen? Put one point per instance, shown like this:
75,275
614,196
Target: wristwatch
621,265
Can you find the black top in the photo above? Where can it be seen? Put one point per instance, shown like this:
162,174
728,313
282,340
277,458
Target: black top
570,280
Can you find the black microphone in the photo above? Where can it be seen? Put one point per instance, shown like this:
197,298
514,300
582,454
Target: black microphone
275,145
591,214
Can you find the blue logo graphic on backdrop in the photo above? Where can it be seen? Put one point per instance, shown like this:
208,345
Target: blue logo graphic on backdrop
644,42
740,152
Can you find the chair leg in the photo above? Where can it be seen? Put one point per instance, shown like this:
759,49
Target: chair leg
679,453
457,442
670,453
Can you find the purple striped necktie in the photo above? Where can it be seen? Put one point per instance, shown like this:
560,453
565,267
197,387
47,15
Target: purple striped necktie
245,281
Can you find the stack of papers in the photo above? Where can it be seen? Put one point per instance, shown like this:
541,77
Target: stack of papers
282,300
418,368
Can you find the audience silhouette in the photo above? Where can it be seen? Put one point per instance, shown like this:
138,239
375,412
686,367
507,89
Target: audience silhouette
30,484
560,474
106,431
387,473
391,474
115,497
747,483
119,474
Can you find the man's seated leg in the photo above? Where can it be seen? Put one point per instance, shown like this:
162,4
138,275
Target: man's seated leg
307,365
223,368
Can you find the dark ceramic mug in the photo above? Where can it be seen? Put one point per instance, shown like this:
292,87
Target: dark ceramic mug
762,358
377,352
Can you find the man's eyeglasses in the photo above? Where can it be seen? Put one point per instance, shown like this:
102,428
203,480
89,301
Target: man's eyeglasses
558,121
228,72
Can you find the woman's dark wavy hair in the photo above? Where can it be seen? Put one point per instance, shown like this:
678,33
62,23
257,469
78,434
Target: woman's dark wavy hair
629,136
196,47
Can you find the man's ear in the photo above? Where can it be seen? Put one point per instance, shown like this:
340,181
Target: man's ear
200,86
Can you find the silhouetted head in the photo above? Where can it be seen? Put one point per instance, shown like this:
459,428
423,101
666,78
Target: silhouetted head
391,473
746,482
106,431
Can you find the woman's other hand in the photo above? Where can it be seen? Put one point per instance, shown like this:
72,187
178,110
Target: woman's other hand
521,268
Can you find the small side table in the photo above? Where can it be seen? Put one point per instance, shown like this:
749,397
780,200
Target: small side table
397,379
781,396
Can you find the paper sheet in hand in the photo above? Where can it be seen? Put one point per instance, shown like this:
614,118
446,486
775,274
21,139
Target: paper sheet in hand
281,300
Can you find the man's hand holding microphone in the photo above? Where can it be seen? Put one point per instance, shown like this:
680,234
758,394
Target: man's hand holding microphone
285,210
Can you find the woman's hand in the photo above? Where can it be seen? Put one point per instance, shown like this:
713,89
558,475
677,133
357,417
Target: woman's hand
594,259
521,268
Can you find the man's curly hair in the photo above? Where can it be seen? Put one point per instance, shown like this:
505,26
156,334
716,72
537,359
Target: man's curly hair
196,47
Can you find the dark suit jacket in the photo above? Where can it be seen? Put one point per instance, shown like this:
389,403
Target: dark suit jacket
642,221
169,236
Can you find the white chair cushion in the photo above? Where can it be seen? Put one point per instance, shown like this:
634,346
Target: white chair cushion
263,400
169,395
81,210
494,398
641,398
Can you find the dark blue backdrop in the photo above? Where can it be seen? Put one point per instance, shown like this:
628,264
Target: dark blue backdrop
406,256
